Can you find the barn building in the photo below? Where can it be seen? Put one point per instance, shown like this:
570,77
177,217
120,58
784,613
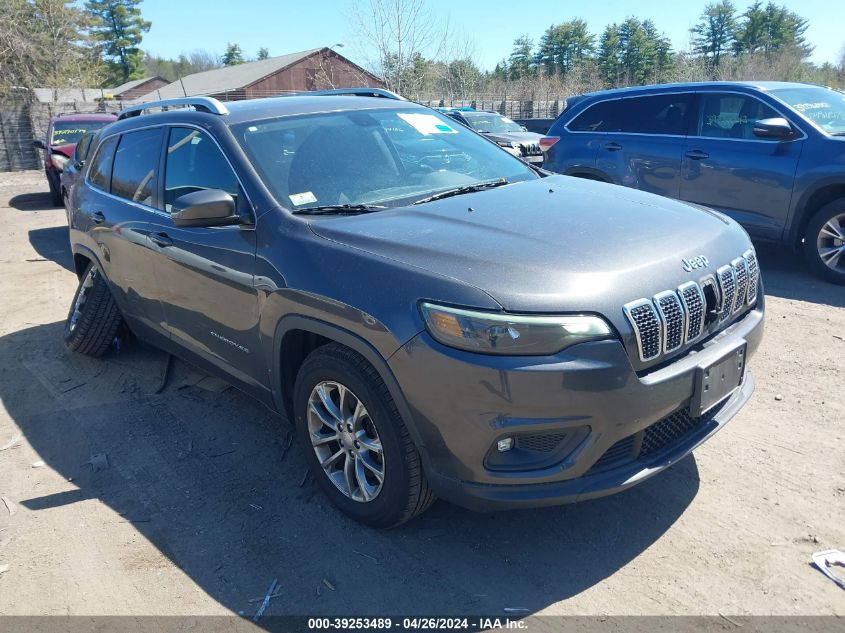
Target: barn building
315,69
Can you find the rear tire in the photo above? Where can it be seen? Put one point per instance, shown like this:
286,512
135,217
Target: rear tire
94,318
55,190
402,492
824,242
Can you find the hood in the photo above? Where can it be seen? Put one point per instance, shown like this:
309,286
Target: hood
517,138
555,244
66,149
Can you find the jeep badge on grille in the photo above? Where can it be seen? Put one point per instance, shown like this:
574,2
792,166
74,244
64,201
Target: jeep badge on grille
696,262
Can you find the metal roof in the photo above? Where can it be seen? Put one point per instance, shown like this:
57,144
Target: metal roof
228,78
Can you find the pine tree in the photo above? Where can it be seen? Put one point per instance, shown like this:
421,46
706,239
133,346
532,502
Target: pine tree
263,53
233,55
521,61
563,46
715,33
119,28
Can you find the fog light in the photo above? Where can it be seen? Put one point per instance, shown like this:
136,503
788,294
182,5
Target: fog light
505,444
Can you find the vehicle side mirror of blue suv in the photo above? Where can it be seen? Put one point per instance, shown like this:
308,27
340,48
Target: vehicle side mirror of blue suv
776,127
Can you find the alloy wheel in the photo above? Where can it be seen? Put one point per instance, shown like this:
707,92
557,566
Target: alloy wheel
831,243
345,441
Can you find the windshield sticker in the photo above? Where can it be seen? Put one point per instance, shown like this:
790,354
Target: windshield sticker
427,124
803,107
306,197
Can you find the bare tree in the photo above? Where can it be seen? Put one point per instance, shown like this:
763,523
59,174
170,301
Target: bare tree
397,35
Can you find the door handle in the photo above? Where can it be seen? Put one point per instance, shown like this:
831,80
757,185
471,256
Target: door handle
697,154
161,239
97,217
612,146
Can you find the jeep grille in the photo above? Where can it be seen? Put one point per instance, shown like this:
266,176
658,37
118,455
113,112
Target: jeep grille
674,318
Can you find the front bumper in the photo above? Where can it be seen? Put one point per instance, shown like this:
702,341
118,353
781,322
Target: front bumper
463,403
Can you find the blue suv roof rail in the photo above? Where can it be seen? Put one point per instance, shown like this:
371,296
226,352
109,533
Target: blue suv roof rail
348,92
204,104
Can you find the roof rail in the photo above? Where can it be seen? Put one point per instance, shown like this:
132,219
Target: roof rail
204,104
348,92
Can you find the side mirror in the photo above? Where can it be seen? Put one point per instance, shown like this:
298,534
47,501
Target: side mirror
39,144
208,207
776,127
524,129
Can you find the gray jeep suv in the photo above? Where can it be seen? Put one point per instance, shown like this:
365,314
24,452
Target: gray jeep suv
768,154
436,316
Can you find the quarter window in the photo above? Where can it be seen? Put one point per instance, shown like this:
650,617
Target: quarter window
660,114
136,166
601,117
731,116
194,163
100,172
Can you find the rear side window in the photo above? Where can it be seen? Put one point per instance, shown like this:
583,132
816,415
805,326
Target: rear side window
660,114
100,171
194,163
136,166
605,116
731,115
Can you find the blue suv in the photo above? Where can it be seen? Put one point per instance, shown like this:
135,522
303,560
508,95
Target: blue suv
769,154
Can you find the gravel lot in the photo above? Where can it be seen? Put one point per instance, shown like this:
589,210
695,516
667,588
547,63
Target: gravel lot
196,513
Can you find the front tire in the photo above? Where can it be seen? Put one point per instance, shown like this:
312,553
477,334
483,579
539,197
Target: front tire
55,190
824,241
94,318
357,446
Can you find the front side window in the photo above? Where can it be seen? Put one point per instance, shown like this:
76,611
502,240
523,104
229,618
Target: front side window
69,132
605,116
136,165
193,163
492,123
659,114
384,157
824,107
731,115
100,171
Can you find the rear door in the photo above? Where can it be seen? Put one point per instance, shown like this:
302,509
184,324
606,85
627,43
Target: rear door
728,168
113,211
581,138
646,153
205,274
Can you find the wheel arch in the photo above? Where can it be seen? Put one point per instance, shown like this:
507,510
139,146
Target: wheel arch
810,203
83,256
297,336
588,173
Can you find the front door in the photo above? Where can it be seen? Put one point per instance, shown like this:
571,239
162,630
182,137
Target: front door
206,274
728,168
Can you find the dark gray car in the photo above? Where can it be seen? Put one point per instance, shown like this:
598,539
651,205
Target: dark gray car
436,316
506,133
769,154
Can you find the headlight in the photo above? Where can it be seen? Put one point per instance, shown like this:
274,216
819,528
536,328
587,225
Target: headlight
517,335
60,161
507,144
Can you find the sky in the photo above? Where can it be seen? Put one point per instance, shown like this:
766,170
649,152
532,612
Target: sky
287,26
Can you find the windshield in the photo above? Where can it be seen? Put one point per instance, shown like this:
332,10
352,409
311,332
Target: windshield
69,132
824,107
379,157
487,123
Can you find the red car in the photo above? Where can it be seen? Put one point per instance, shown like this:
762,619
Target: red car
63,133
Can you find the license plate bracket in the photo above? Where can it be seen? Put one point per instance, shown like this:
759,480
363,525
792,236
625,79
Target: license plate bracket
718,380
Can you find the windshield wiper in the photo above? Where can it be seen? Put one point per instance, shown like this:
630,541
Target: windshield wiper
837,133
339,209
457,191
